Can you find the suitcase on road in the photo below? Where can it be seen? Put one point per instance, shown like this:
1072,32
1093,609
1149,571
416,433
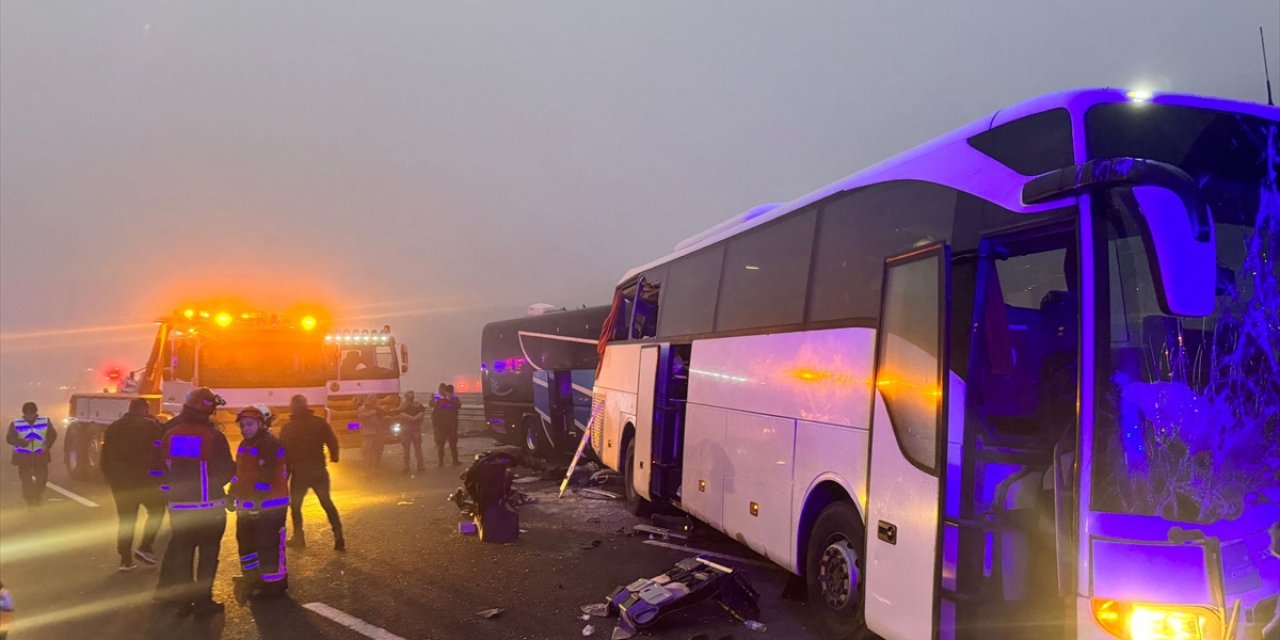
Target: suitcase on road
498,523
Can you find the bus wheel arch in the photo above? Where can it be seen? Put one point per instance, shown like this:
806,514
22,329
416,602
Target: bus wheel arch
636,504
832,537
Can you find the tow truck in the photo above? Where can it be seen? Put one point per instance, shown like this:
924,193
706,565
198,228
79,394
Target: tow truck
247,357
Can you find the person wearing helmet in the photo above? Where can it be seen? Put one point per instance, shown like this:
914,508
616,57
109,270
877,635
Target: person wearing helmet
260,492
197,465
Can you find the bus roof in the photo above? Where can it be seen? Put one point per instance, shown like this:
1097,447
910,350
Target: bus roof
949,160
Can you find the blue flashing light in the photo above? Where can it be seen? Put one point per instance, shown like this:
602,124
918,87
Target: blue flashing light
275,502
262,486
353,426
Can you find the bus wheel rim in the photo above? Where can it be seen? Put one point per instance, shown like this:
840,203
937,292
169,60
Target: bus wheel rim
838,574
530,438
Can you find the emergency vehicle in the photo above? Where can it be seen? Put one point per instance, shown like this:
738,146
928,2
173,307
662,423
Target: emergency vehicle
247,357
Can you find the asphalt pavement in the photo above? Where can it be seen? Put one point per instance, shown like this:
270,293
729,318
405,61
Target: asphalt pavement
407,572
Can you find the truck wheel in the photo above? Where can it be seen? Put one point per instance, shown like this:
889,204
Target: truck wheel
834,570
82,453
635,503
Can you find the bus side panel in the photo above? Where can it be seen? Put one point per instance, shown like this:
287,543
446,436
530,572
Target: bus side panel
827,451
823,376
703,469
757,482
619,380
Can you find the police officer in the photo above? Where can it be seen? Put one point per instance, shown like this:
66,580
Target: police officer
305,437
260,492
32,438
198,465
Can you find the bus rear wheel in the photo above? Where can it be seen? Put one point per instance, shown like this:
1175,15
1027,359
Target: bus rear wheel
834,570
635,503
531,435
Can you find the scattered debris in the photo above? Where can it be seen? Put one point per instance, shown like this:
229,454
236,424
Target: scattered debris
755,626
489,614
588,630
665,534
584,617
601,493
405,503
710,554
468,528
526,480
596,609
640,604
587,546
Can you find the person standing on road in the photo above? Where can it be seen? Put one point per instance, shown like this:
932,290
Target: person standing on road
131,462
372,427
198,465
444,422
305,436
32,438
260,494
411,413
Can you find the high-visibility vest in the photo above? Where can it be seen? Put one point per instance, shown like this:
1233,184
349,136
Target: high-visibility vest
32,434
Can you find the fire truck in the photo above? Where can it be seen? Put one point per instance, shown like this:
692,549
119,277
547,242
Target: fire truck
247,357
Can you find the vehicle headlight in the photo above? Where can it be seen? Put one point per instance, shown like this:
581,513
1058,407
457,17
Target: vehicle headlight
1138,621
395,428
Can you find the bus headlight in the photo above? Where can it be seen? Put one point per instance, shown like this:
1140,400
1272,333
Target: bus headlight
1137,621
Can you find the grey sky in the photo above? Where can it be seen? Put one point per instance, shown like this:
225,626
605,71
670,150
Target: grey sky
448,163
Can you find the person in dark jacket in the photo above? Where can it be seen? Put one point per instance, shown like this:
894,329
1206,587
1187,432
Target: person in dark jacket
444,422
260,489
131,464
198,465
305,437
32,438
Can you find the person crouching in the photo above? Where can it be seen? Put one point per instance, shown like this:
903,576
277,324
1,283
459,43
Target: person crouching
260,494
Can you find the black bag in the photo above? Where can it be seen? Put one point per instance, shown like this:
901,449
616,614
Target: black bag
498,523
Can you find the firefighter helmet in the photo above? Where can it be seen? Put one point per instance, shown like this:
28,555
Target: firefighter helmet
259,411
203,399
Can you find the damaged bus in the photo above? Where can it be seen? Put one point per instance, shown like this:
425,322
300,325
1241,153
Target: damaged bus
1018,382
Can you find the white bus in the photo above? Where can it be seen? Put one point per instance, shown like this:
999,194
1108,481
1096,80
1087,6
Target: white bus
1018,382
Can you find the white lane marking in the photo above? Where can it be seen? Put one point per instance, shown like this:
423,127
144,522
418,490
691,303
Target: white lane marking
351,622
712,554
78,498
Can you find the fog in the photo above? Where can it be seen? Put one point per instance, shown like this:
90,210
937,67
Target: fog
438,165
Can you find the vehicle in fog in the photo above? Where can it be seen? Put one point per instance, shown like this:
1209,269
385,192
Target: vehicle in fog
536,374
1017,382
246,357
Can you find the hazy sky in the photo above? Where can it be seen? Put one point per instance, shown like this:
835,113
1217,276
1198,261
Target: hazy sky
437,165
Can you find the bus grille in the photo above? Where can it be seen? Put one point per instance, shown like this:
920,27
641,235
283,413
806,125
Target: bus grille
597,421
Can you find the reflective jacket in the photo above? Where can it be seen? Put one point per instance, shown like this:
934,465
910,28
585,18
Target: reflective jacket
198,463
262,475
31,440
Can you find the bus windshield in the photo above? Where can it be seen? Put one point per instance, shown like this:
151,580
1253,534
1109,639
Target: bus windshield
240,362
1187,427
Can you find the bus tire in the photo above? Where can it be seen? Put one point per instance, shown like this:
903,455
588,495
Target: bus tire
833,572
531,436
636,504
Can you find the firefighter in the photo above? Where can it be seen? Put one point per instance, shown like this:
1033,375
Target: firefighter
32,438
198,465
260,491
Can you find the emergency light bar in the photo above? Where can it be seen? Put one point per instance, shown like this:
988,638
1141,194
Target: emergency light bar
358,337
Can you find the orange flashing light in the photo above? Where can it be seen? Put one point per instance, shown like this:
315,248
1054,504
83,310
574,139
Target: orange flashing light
188,313
223,319
308,323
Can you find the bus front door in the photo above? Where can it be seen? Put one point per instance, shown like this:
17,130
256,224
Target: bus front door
907,435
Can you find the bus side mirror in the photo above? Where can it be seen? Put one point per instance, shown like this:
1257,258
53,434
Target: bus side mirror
1182,239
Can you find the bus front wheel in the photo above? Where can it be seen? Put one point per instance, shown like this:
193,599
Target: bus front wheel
635,503
833,572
